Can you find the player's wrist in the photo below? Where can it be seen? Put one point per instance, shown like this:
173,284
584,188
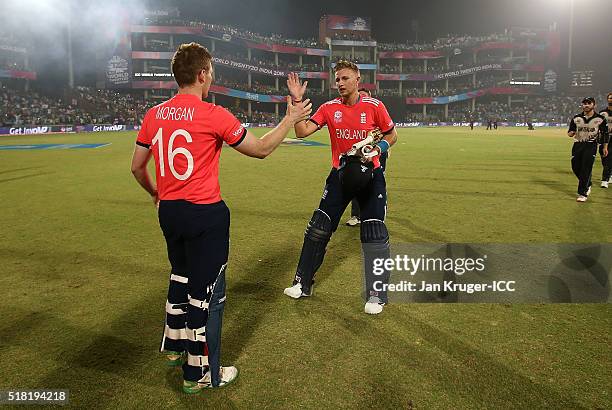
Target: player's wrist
289,120
382,146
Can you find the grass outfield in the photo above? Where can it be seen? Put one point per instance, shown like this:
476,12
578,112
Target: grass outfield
84,277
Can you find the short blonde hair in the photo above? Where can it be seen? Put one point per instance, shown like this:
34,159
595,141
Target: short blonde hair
342,64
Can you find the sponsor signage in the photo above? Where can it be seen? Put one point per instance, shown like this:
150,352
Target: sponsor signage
352,23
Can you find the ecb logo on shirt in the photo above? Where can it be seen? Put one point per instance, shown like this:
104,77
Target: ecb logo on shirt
338,116
363,118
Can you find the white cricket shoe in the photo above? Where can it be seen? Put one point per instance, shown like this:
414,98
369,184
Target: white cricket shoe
353,221
588,191
228,374
295,291
373,306
581,198
604,184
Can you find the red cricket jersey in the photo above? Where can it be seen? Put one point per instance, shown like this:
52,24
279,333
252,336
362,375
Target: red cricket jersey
185,135
350,124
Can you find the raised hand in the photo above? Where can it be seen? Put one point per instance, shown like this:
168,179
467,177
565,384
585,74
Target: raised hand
300,111
295,86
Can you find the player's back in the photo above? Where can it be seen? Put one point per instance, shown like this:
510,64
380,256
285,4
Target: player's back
185,135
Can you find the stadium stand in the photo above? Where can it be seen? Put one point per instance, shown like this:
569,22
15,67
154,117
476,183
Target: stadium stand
457,67
91,106
88,106
446,43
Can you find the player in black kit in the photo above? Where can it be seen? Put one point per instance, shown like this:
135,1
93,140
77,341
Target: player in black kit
587,129
606,161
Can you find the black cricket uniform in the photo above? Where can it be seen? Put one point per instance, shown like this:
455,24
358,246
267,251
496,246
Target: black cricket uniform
606,162
355,210
589,131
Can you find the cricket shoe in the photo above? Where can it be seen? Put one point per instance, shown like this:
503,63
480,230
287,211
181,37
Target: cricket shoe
175,358
373,306
588,191
604,184
228,375
296,292
353,221
581,198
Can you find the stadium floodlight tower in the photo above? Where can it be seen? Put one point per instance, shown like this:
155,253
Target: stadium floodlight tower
349,38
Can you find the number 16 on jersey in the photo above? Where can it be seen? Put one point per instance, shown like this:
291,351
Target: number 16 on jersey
173,153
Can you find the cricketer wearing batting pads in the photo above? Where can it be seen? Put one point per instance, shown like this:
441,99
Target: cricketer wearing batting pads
185,136
349,119
355,218
587,129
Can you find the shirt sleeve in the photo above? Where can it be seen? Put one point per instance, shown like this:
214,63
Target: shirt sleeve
383,119
572,126
604,135
228,128
319,117
144,136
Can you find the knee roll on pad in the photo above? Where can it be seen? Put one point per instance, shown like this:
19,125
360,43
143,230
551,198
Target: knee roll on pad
319,228
374,231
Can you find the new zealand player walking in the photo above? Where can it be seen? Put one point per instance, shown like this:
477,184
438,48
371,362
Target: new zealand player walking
185,136
606,160
348,118
587,129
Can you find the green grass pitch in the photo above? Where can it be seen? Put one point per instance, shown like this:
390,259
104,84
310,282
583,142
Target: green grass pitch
84,278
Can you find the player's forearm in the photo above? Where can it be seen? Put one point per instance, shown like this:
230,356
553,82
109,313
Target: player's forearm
391,138
301,129
274,137
571,134
605,135
144,179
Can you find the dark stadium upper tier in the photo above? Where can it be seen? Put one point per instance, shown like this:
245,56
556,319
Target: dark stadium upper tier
441,47
256,42
240,63
385,72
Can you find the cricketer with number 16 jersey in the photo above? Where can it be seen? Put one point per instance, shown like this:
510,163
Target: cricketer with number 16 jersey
185,135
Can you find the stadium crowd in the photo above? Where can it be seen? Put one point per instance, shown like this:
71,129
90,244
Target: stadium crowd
432,66
84,106
284,66
552,109
457,87
258,87
236,32
88,105
446,43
